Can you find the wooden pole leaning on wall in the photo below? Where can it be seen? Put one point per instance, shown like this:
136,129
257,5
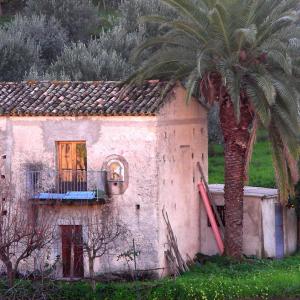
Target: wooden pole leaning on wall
211,199
176,262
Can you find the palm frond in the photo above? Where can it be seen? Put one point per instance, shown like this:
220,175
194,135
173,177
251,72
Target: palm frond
260,103
251,144
281,164
234,48
196,13
192,81
218,19
283,61
245,35
267,87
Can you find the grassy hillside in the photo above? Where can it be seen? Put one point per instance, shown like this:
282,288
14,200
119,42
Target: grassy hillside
261,171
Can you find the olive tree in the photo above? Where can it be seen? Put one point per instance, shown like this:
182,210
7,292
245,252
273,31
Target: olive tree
46,32
89,62
78,17
17,55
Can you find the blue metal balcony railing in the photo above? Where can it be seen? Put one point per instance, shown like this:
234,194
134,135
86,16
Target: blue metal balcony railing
66,185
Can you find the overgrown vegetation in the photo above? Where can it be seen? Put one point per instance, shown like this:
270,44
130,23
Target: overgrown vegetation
219,278
78,17
97,37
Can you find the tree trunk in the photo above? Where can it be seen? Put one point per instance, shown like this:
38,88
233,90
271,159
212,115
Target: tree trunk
1,9
236,141
298,233
72,255
11,274
92,273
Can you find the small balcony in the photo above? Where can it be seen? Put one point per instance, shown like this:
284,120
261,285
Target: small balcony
67,186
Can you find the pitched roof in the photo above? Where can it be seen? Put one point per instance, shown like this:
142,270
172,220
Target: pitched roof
47,98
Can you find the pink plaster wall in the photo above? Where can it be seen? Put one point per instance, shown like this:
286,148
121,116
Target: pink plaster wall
182,142
161,151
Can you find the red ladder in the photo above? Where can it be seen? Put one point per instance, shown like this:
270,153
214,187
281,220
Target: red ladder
210,206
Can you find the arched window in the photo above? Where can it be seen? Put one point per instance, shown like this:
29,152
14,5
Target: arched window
115,169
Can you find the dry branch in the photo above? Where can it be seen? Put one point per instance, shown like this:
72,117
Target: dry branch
176,262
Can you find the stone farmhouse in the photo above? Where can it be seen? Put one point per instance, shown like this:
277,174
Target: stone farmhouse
72,134
71,148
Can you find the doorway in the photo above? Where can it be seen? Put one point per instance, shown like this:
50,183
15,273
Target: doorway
72,251
279,233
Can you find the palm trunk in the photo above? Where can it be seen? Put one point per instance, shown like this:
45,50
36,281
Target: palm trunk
236,141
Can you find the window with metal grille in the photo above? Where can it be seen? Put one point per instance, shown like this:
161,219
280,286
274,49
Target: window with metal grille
221,211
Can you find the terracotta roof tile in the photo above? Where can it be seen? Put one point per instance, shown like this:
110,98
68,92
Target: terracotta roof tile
80,98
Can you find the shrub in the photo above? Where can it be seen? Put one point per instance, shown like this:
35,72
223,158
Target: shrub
132,10
128,32
120,41
10,7
17,55
107,4
36,73
78,17
89,62
48,33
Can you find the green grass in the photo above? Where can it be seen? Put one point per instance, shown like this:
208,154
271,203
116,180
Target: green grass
219,278
261,172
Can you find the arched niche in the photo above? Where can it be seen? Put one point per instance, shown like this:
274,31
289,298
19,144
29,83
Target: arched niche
116,168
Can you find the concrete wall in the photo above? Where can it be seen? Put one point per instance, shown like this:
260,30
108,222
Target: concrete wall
268,212
182,142
290,231
259,224
252,228
161,153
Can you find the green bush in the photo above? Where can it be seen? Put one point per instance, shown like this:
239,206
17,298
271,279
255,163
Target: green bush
36,73
131,12
78,17
47,33
107,4
119,40
17,55
90,62
10,7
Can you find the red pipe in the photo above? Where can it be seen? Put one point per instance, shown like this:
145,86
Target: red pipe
211,217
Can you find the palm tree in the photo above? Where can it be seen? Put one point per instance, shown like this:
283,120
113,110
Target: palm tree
243,55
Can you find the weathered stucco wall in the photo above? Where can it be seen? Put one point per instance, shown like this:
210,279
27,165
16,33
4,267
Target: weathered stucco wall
32,140
182,142
161,153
